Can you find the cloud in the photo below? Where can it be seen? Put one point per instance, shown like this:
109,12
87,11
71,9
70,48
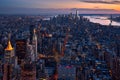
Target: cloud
102,1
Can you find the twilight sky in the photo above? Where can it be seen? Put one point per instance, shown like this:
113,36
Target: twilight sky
87,4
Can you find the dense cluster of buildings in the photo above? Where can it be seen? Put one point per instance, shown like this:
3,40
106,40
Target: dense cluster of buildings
63,47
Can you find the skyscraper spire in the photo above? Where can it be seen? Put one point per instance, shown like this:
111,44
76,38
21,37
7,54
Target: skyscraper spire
9,46
9,51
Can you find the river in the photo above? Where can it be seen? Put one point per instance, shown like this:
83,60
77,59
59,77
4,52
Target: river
103,20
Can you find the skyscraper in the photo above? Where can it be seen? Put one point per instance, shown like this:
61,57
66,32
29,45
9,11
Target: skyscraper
31,29
34,43
21,49
7,68
30,53
7,72
9,52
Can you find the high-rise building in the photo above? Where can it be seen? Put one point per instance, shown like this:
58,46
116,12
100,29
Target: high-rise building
76,15
7,72
9,52
8,58
31,29
21,49
34,43
30,52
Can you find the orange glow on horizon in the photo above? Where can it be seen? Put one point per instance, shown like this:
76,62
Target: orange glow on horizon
96,6
76,4
89,5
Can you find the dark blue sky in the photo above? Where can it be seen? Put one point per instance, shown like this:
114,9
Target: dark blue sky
60,3
36,3
6,5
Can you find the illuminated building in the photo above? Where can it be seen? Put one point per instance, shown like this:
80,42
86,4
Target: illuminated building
21,49
9,52
39,35
34,43
28,68
30,52
7,67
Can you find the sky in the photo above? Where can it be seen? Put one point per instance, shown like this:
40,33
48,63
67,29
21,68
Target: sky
114,5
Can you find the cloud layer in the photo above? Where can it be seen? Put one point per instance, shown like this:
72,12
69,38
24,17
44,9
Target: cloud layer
102,1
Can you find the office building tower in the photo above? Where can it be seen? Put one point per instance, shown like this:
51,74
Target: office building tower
7,72
21,49
34,43
9,52
31,29
8,61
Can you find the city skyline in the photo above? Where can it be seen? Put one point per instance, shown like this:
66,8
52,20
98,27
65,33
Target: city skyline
54,41
7,5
